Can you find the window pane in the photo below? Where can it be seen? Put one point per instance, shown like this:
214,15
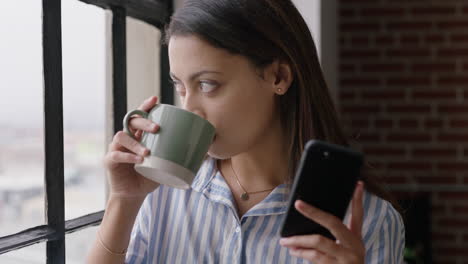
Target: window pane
79,244
83,31
21,117
35,254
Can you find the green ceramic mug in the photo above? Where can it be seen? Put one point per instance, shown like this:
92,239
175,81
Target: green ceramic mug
177,149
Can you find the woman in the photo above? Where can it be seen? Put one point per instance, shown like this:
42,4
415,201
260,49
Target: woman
251,69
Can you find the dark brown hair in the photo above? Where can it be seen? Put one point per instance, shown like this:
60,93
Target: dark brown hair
265,31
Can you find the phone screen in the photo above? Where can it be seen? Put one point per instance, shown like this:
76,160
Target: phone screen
326,178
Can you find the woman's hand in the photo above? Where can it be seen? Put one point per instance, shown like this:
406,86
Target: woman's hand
349,247
124,152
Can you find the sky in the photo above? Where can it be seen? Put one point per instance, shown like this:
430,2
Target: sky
21,76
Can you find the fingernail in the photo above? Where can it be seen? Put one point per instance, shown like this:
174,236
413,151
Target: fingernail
284,241
154,127
294,252
144,152
360,184
298,203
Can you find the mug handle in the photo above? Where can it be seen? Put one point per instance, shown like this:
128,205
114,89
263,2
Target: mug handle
127,119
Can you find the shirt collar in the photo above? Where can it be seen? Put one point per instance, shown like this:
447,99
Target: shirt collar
211,183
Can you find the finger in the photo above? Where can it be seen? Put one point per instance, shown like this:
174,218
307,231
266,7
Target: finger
318,242
144,124
121,138
329,221
357,210
148,104
138,135
313,255
124,157
114,146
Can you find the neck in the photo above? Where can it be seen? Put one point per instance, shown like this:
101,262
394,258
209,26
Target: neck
263,166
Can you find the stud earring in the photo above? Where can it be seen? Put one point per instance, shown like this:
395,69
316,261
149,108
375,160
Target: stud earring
279,90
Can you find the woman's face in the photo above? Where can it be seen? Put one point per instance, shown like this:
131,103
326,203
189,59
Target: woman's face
226,90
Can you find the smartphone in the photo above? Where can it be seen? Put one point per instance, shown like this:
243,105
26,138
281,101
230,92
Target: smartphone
326,178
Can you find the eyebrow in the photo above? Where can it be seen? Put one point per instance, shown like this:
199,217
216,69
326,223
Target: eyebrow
195,75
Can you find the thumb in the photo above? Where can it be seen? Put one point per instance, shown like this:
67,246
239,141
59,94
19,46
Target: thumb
357,210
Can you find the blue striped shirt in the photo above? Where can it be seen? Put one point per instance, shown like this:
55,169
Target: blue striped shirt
201,225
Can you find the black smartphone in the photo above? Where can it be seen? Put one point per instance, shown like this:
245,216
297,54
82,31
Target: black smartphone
326,178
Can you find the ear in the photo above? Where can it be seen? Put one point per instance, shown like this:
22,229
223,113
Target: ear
279,75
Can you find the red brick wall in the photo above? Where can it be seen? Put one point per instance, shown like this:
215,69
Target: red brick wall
404,96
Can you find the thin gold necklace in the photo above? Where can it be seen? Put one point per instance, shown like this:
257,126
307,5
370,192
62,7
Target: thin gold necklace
245,195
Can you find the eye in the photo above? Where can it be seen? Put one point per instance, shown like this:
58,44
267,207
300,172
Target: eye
178,87
207,87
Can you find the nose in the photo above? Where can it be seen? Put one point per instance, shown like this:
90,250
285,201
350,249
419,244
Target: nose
191,104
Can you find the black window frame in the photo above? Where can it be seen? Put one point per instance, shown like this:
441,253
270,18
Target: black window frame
153,12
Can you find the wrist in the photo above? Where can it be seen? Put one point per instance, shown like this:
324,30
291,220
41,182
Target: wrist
126,199
117,223
122,205
121,253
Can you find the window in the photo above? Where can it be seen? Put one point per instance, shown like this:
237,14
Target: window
21,117
54,123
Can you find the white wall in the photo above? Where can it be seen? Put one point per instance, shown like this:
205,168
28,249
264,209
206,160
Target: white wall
329,45
321,17
143,75
143,52
310,11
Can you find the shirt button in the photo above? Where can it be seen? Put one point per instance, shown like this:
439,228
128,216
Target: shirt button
238,229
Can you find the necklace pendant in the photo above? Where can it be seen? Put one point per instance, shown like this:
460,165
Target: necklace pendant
244,196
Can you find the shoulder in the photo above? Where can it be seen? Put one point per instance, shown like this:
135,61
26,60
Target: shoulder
378,214
383,228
